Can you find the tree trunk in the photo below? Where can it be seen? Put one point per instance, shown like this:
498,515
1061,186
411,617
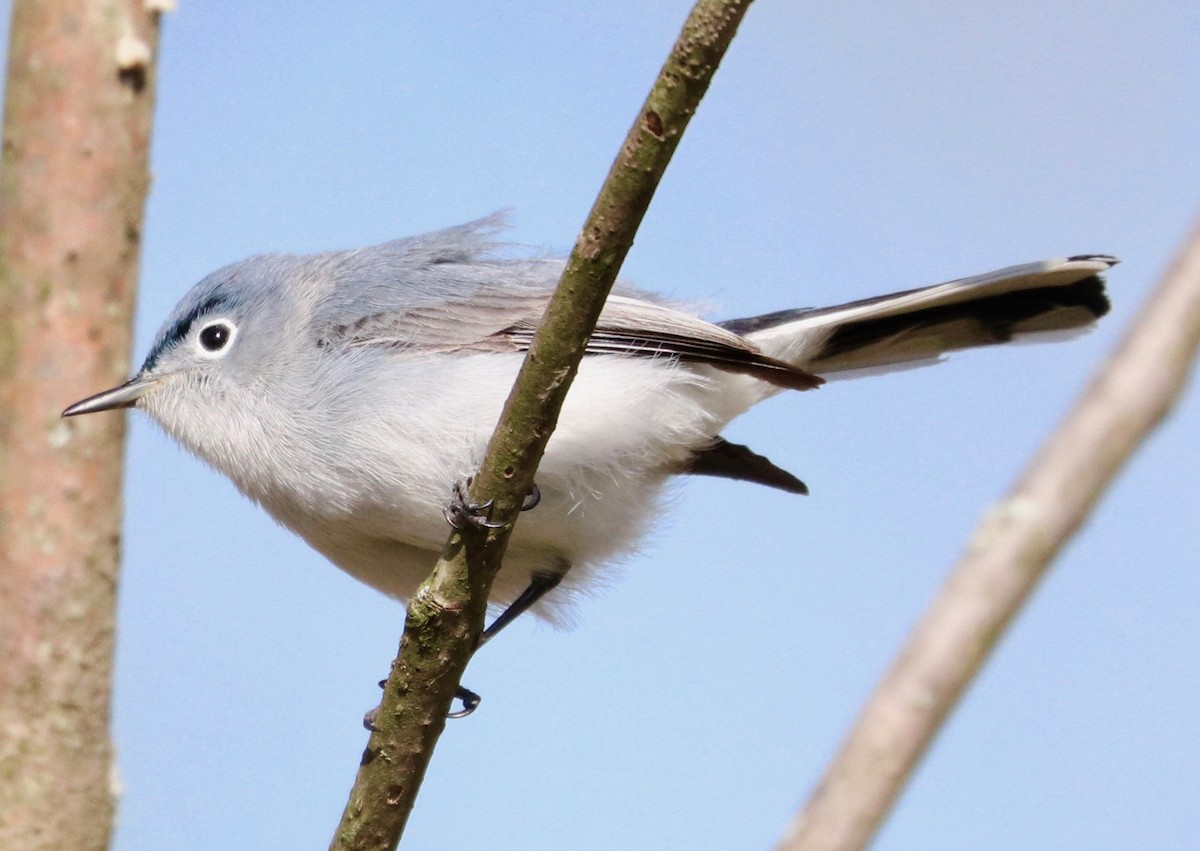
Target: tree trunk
73,185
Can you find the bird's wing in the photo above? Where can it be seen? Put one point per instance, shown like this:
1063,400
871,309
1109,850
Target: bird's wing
504,318
453,291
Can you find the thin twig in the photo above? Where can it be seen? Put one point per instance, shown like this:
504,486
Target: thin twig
445,617
1009,553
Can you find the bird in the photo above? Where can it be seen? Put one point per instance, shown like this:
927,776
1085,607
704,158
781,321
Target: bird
349,392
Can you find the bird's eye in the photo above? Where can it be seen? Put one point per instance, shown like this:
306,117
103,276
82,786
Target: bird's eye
216,336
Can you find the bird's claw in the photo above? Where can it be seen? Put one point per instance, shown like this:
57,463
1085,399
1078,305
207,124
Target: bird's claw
371,715
461,510
470,701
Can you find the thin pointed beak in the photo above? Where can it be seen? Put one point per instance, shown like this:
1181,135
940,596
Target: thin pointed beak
125,396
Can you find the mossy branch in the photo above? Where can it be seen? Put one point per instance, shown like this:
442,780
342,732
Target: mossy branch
445,617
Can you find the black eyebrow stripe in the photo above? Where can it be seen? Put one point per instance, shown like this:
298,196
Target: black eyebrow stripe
181,328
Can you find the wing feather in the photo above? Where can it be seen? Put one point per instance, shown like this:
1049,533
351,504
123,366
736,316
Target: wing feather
495,319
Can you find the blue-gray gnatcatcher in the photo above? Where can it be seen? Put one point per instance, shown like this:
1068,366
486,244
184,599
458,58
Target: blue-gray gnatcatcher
348,392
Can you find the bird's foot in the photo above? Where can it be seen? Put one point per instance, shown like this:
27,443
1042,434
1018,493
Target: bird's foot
462,511
470,702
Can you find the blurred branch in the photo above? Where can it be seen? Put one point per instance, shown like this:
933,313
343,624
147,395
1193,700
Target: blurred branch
445,617
78,109
1010,551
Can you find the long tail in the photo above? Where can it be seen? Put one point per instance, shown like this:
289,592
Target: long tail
1051,299
1046,300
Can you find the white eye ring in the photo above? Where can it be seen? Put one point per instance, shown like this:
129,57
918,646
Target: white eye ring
214,338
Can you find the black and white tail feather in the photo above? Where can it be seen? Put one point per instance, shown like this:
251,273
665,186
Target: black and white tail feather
1039,301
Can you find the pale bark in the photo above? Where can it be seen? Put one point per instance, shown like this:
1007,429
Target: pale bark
73,184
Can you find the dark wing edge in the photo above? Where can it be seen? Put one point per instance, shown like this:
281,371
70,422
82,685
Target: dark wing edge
506,321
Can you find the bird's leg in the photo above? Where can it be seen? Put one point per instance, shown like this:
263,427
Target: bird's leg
540,584
461,511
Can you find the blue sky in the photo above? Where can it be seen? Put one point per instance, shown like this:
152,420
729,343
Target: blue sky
844,150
